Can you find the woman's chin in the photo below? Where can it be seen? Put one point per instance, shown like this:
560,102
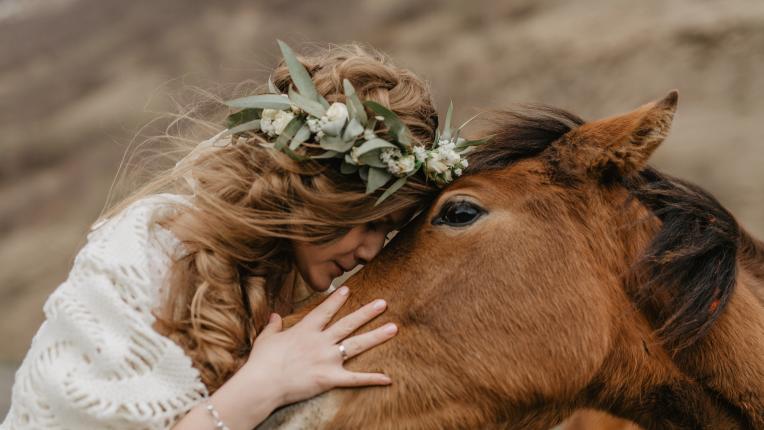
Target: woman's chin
320,283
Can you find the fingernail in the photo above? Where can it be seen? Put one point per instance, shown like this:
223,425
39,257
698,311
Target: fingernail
273,317
390,328
387,379
344,290
379,305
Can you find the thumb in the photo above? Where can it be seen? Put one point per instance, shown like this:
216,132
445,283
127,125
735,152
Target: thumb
274,325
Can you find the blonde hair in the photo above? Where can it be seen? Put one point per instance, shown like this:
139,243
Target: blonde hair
250,202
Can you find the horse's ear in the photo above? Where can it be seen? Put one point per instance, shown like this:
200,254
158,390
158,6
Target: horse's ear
620,144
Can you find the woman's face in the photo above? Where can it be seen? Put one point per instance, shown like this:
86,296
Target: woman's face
320,264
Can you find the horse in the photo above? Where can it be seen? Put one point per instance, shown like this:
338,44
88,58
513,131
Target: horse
561,272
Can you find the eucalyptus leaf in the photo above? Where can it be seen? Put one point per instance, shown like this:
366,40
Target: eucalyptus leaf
293,155
242,116
468,143
289,132
272,87
363,172
373,144
464,124
396,126
325,155
447,126
297,72
261,101
251,125
352,130
301,136
348,168
391,189
323,101
377,178
335,143
355,107
310,106
371,159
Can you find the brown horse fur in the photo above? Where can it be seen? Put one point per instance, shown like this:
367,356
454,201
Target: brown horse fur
590,281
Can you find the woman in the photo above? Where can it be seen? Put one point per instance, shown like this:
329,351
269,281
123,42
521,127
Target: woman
169,317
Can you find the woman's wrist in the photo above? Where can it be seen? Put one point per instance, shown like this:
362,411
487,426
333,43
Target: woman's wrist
247,398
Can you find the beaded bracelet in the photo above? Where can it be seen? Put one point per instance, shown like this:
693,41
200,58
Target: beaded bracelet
219,424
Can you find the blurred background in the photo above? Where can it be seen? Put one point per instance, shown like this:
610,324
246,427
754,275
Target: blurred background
80,78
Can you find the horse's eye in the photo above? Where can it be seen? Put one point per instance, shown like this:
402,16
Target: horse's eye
458,214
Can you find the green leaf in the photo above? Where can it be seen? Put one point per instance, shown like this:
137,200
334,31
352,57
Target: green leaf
300,76
272,87
372,159
335,143
293,155
251,125
373,144
447,126
312,107
261,101
464,124
323,101
289,132
468,143
396,126
355,107
363,172
377,178
301,136
327,154
391,189
348,168
352,130
242,116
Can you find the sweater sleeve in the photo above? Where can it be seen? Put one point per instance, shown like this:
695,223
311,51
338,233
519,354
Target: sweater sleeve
96,361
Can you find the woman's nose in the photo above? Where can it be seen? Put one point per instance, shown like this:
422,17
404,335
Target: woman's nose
370,247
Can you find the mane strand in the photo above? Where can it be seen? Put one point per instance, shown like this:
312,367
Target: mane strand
691,263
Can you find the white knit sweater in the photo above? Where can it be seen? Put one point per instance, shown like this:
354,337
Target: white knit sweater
96,362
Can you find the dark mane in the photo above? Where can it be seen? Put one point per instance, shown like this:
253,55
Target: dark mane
521,133
690,263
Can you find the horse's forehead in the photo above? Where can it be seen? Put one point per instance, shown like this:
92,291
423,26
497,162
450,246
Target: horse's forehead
525,172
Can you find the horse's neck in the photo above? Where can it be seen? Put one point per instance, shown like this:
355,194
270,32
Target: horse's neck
729,360
640,381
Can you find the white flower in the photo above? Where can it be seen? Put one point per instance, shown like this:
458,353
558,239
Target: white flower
280,122
354,155
406,165
465,164
335,118
266,121
369,134
420,153
458,172
389,155
314,124
436,165
398,164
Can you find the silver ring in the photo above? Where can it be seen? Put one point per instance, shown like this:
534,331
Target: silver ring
343,351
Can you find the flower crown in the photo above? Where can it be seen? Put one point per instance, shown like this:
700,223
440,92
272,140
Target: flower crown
303,118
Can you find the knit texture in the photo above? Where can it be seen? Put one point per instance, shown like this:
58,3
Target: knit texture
96,362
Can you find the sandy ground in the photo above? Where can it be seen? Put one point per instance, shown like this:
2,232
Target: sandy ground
81,76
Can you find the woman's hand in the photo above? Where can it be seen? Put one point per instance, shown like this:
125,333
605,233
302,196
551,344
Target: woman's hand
305,360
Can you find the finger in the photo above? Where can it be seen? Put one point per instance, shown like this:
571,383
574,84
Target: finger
274,325
323,313
360,379
362,342
350,323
